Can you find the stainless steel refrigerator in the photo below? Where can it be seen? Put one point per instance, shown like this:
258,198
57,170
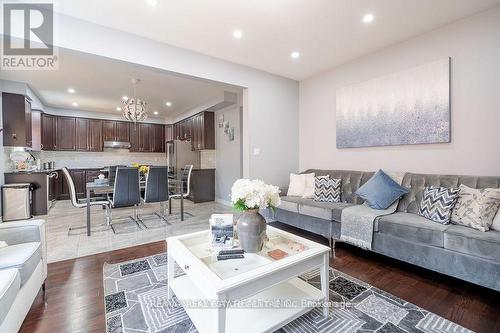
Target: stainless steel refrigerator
179,154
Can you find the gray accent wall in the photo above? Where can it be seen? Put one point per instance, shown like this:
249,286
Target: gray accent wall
474,47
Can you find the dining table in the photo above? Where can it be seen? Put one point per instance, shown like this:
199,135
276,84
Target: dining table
105,188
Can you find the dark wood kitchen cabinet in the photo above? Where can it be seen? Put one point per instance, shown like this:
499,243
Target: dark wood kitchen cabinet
115,131
157,138
143,133
95,135
16,112
203,131
88,134
122,131
108,130
49,141
66,133
82,134
169,132
79,177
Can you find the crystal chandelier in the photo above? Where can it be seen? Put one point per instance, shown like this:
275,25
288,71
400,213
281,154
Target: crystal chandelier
134,109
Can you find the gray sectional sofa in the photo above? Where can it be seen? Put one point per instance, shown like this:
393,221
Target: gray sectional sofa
454,250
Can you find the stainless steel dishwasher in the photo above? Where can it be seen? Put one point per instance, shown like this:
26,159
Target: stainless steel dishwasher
16,201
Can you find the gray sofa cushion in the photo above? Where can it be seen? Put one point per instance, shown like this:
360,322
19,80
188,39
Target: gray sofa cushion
10,282
322,210
290,203
417,182
351,181
412,227
312,224
474,242
25,257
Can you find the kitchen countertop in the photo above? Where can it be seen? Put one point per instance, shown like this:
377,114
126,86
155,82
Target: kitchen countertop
30,172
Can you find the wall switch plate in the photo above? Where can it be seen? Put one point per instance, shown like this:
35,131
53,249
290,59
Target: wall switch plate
256,151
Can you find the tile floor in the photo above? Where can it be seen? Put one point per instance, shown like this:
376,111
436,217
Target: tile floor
63,244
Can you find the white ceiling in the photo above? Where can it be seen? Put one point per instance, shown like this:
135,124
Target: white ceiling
327,33
101,82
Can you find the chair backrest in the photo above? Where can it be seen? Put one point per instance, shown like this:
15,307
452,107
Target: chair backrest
126,189
156,184
186,176
112,172
71,185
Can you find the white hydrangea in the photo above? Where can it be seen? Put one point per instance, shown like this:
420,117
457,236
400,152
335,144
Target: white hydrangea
255,194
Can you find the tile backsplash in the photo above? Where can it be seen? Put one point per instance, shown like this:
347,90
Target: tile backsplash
72,159
208,159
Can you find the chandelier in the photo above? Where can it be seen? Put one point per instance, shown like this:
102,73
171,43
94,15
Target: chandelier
134,109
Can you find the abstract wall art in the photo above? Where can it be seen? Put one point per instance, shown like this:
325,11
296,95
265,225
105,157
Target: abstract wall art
403,108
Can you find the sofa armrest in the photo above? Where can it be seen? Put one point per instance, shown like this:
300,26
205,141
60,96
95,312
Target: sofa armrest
23,232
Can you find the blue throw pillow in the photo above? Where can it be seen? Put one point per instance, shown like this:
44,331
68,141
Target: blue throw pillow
381,191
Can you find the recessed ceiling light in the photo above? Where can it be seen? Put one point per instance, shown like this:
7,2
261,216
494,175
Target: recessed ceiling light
71,90
168,104
118,109
152,2
295,55
125,97
74,104
155,113
237,34
368,18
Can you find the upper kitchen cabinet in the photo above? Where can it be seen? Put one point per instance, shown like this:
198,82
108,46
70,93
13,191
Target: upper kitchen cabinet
95,135
157,138
109,130
122,131
49,141
115,131
203,131
169,132
16,111
88,134
66,133
143,133
82,132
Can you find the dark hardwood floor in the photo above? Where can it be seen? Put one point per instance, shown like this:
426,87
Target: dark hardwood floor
74,293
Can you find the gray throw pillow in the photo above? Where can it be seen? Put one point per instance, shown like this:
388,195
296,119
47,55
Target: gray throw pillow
437,203
326,189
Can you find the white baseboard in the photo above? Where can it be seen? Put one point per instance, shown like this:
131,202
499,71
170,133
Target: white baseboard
223,202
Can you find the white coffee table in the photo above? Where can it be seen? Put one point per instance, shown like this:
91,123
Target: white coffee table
254,294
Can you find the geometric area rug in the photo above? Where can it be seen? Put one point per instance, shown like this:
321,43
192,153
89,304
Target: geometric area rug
135,294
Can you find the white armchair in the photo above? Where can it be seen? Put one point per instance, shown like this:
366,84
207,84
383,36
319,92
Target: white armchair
23,270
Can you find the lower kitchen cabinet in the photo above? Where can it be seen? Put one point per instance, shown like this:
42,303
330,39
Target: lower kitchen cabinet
202,185
80,178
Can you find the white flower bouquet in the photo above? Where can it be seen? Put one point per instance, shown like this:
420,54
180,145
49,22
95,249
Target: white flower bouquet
249,194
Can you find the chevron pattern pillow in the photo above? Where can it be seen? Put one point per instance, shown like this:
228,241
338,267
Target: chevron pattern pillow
327,189
437,203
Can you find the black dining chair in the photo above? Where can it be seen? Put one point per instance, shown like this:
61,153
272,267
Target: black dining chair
156,191
126,192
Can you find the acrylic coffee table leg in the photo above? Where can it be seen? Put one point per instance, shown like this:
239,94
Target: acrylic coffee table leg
325,275
170,275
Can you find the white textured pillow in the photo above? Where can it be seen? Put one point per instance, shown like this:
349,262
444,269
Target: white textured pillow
476,208
3,244
496,221
309,186
297,185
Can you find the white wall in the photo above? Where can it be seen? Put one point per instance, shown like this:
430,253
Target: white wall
474,47
270,111
229,164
